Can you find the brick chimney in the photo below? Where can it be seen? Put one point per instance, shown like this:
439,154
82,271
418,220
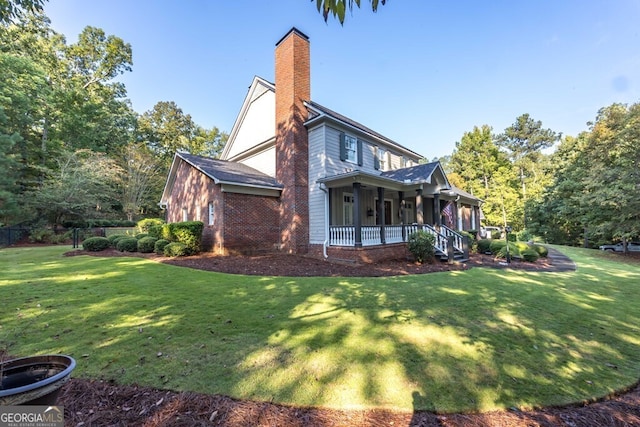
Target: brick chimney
293,87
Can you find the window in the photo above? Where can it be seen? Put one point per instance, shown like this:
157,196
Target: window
351,148
212,214
185,214
382,159
409,212
347,200
198,212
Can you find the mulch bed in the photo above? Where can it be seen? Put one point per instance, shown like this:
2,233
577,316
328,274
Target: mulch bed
301,266
98,403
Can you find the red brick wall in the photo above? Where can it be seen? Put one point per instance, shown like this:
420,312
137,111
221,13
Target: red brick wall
251,223
193,190
242,223
293,87
365,255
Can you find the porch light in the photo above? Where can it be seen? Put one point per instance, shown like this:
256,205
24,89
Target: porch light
369,212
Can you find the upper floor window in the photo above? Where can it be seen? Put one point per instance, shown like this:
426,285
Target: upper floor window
350,149
382,159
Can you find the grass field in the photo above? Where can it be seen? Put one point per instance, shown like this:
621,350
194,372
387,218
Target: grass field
471,340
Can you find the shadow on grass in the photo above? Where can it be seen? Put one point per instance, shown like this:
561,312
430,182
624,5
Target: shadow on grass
445,342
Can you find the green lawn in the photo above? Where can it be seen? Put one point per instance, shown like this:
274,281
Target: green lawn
459,341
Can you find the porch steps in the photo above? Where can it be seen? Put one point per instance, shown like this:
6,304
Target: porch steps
458,257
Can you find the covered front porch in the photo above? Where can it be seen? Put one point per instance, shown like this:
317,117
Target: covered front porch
364,210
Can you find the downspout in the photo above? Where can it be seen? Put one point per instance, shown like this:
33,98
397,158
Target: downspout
325,245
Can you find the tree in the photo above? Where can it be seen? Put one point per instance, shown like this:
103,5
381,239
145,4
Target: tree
22,88
91,111
611,181
16,9
338,8
166,129
595,193
83,185
559,216
97,58
9,207
141,180
524,141
485,172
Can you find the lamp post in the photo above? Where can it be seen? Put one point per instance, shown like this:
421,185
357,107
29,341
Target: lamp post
507,230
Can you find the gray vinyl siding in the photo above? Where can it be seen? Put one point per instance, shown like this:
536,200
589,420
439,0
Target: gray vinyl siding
324,161
317,161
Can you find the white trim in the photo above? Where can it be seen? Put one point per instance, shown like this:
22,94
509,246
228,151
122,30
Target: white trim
248,99
385,141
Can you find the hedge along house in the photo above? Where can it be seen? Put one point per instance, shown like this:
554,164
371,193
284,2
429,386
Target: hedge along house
298,177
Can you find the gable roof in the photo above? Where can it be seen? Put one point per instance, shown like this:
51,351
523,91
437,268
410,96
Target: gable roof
233,176
224,172
322,111
400,179
414,174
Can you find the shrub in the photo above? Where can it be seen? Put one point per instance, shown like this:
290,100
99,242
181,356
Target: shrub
159,246
175,249
41,235
127,244
141,235
96,244
514,252
484,246
496,245
473,243
542,251
146,245
496,234
421,245
189,233
148,224
530,255
113,239
155,231
525,236
522,246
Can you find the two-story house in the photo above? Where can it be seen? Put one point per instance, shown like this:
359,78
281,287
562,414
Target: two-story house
298,177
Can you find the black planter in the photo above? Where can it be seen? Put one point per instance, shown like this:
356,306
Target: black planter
34,380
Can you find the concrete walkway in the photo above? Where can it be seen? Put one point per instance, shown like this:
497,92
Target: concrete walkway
559,261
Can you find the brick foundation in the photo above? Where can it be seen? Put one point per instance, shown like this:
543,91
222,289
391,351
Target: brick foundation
365,255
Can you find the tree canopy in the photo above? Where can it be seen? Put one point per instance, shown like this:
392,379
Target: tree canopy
63,111
338,8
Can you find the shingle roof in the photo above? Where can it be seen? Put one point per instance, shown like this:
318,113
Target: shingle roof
230,172
418,173
360,126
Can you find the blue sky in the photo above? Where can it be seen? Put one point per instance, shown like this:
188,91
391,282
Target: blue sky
420,72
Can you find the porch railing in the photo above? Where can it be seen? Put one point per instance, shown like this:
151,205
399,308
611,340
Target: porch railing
345,235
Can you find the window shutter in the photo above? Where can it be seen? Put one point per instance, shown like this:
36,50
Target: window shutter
376,160
360,153
343,149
